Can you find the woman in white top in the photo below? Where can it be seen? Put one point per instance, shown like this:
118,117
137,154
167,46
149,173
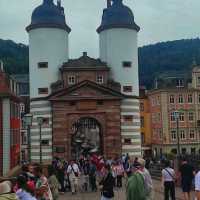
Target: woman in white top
168,181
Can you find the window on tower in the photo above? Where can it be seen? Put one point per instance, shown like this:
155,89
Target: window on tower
71,80
127,88
127,141
127,64
45,142
99,79
128,118
43,65
43,90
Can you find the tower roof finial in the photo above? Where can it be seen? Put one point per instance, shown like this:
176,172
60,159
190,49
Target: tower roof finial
48,1
59,3
48,15
117,1
109,3
117,15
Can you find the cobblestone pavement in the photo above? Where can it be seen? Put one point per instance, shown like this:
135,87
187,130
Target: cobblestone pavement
119,194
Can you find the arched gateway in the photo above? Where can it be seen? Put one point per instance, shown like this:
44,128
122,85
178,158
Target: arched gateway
86,118
86,137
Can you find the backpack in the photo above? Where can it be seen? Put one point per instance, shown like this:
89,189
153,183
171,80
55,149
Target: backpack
136,187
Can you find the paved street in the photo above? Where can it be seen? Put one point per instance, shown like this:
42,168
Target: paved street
119,195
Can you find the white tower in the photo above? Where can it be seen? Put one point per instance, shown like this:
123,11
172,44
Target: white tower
48,50
48,46
118,47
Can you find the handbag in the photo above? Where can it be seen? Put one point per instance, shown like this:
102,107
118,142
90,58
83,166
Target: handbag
173,178
75,173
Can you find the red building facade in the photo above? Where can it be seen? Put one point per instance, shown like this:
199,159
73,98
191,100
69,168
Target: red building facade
9,124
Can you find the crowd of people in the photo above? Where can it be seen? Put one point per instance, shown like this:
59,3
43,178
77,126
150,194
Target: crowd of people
95,173
87,174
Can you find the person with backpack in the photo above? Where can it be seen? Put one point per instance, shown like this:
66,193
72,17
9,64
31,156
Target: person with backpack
135,189
168,181
147,179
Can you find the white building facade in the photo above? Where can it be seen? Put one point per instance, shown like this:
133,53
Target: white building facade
48,50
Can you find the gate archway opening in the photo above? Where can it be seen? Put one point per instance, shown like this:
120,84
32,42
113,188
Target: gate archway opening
86,137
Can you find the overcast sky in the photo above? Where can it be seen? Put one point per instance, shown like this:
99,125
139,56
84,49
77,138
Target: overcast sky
160,20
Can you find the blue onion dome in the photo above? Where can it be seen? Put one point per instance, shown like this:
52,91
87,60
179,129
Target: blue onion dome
48,15
117,15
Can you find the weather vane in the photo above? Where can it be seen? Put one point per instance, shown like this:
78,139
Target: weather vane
59,2
109,2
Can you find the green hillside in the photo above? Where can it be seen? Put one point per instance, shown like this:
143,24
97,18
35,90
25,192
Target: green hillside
176,56
14,56
163,57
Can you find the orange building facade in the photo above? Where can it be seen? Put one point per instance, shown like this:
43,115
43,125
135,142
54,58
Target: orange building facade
145,121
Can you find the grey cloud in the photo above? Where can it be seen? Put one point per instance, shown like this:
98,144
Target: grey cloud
159,20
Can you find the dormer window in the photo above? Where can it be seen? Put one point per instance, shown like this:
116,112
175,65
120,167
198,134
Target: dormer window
42,65
100,79
71,80
179,83
127,64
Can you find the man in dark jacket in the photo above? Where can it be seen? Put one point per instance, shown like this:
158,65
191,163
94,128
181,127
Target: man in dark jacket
187,175
92,176
107,184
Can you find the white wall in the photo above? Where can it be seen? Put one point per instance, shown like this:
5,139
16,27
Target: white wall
41,109
118,45
46,45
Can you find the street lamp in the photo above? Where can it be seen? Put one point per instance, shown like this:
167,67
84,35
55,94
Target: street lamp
27,121
176,116
40,121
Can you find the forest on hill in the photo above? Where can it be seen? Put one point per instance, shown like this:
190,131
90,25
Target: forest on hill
156,59
14,56
160,58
